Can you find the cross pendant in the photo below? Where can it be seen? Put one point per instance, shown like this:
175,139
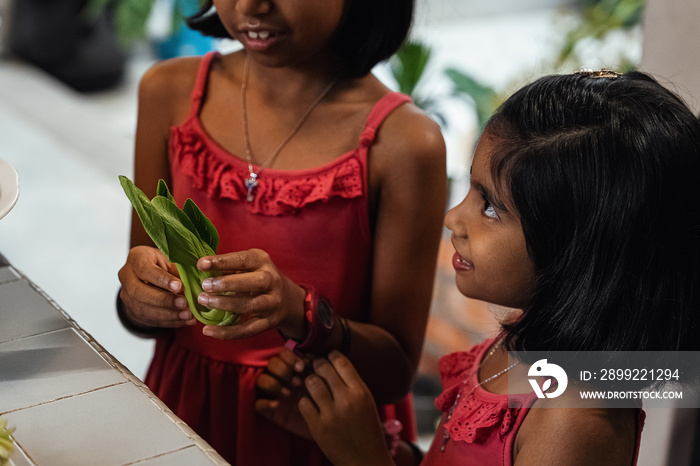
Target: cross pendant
250,183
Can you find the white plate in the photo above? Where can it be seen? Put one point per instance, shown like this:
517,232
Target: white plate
9,187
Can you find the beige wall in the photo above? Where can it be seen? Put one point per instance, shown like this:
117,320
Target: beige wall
671,53
672,46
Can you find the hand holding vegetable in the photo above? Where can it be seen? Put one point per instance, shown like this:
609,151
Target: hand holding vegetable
151,290
248,283
183,236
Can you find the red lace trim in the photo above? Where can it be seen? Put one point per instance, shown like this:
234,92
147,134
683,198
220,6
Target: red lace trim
274,195
473,419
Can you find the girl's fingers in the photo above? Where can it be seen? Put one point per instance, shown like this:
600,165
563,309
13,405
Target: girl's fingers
157,276
266,407
271,386
308,410
238,303
152,296
241,261
319,392
162,317
280,369
292,359
345,369
328,372
247,329
255,282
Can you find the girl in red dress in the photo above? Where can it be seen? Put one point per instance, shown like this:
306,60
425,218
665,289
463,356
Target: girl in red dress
327,190
584,217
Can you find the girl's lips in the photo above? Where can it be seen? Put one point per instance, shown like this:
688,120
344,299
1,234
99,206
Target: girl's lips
259,40
460,264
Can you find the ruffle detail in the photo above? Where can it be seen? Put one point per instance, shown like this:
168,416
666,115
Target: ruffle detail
473,420
455,367
274,195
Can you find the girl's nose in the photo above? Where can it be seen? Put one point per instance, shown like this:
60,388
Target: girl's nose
451,219
455,220
253,7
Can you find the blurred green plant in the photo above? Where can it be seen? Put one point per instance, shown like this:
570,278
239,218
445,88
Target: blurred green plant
408,67
598,18
131,16
485,98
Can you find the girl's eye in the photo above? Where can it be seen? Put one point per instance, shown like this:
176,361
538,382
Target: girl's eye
489,211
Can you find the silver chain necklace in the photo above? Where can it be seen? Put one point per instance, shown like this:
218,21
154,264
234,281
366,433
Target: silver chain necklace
252,181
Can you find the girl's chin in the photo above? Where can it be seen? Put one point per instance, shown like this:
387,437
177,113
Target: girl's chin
504,314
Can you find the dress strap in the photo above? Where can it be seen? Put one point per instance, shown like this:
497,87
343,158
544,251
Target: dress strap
200,84
379,112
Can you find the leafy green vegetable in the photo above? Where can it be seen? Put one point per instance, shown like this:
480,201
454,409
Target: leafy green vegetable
7,446
183,236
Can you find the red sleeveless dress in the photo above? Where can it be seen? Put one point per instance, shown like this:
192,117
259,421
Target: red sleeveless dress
483,427
315,225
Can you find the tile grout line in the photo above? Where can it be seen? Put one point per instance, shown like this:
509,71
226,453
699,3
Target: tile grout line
196,440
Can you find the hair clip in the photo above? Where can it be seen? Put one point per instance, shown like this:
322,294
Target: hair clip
602,73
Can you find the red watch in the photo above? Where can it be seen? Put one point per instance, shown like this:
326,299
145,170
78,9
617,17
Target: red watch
320,320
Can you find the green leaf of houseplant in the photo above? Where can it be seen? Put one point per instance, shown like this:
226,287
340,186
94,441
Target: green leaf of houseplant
485,97
408,65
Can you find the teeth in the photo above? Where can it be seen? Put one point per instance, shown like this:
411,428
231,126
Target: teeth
259,35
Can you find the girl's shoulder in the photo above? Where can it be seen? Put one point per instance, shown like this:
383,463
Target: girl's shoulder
167,86
408,126
175,75
407,134
579,435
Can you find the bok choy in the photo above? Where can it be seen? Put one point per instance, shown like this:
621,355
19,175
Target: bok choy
183,235
7,445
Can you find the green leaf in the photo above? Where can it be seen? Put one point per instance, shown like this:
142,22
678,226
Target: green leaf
163,190
150,219
485,97
408,64
206,230
184,236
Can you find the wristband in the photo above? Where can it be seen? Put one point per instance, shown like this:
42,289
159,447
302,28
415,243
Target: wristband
392,429
320,320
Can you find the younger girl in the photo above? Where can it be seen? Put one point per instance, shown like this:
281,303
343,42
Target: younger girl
320,181
584,213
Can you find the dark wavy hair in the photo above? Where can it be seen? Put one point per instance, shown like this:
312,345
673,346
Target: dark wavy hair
605,176
370,31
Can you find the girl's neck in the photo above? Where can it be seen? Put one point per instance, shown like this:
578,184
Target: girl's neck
307,78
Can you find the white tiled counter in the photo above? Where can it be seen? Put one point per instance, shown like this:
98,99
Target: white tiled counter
70,401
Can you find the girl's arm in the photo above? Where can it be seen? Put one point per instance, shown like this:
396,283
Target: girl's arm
577,437
408,184
150,293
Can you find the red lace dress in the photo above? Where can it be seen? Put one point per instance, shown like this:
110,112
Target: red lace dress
482,427
315,225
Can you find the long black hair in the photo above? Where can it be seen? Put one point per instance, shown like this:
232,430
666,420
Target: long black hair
604,174
370,31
